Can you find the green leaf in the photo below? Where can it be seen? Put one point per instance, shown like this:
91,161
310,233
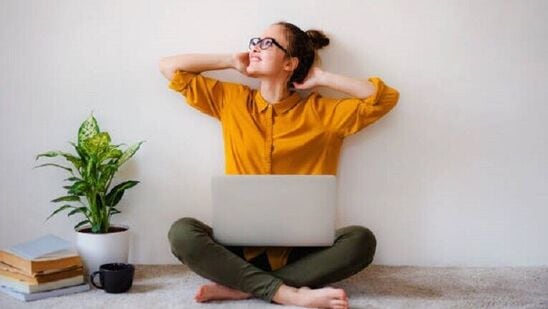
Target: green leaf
97,143
58,210
129,153
114,196
68,156
66,198
78,188
73,159
114,211
90,169
81,223
72,179
53,164
48,154
99,202
81,152
87,129
107,172
82,209
111,153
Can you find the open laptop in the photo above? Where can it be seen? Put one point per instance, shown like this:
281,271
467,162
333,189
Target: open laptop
274,210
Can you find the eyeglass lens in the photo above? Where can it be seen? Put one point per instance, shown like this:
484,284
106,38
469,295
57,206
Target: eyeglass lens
263,44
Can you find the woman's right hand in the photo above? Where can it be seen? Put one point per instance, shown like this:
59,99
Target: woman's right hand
240,62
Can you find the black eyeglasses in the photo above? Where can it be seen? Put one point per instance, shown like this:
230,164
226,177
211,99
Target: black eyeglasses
266,43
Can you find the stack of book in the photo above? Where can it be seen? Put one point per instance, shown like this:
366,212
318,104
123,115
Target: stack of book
41,268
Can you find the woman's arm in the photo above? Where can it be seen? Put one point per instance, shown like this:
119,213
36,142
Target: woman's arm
195,63
356,88
370,100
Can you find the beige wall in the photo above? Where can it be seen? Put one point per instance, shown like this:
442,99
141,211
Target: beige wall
456,174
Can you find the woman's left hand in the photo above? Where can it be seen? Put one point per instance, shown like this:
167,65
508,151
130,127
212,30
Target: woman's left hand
313,79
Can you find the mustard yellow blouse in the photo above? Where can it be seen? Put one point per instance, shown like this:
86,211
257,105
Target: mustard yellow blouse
294,136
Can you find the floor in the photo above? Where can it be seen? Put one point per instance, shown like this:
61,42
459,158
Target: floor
377,286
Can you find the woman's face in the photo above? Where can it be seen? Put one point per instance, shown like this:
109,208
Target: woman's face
271,61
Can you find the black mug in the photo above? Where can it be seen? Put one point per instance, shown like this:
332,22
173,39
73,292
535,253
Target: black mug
114,277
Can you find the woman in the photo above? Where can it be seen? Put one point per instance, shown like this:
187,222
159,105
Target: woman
273,130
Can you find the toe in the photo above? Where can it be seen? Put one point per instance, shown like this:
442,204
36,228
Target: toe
199,294
338,303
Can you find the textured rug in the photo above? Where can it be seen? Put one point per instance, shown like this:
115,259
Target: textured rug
377,286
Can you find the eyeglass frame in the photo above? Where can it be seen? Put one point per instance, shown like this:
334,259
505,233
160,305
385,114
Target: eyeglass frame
267,38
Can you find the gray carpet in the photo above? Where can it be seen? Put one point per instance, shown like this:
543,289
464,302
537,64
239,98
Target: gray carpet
377,286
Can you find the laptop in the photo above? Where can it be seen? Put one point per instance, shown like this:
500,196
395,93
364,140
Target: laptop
274,210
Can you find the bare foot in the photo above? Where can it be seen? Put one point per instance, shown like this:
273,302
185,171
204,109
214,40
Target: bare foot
215,291
326,297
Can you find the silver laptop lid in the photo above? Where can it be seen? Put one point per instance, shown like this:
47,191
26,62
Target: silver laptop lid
274,210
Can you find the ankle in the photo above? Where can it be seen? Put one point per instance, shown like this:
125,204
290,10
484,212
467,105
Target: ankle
285,295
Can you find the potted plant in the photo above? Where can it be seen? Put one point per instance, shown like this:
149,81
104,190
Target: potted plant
90,194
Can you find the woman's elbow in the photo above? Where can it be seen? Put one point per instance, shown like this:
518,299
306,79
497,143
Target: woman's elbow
166,69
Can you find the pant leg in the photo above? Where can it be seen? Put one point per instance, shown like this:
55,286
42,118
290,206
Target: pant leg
353,249
192,243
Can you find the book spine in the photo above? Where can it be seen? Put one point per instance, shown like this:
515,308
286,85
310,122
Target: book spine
33,280
28,288
15,261
31,267
45,294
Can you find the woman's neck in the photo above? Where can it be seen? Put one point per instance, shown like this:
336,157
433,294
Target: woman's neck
274,91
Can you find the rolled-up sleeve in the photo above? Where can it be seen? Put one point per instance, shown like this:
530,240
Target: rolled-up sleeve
349,115
206,94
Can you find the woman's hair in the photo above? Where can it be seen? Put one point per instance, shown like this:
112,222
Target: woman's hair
302,45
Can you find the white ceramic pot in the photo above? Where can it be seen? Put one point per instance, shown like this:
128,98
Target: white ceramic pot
97,249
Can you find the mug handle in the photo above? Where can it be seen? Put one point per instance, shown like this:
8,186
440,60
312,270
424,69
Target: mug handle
92,277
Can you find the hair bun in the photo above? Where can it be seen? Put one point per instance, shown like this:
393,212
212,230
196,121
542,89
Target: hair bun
317,38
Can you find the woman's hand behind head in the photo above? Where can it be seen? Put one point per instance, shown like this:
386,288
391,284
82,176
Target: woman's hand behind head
240,62
314,78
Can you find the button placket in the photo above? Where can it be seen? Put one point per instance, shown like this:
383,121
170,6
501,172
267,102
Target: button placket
274,117
268,141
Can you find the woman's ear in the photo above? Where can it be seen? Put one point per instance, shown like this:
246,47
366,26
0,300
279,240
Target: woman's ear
295,63
292,64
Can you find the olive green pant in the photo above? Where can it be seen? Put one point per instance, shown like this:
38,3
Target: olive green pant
192,243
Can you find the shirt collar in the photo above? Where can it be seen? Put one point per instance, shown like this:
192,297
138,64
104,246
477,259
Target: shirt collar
279,107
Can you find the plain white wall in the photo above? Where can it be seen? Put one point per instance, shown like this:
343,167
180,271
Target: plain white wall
455,175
